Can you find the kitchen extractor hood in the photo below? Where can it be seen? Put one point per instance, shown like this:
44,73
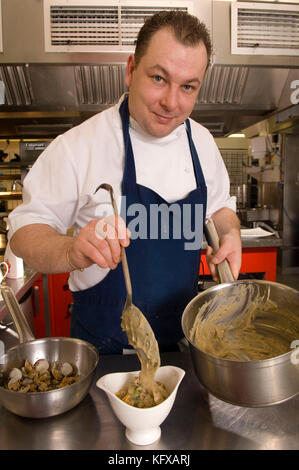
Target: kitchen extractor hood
68,59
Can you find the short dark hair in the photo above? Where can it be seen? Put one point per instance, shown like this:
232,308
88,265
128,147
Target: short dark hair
187,29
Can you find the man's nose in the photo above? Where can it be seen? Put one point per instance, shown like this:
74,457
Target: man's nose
169,98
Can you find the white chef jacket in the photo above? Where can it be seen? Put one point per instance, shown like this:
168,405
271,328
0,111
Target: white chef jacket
59,190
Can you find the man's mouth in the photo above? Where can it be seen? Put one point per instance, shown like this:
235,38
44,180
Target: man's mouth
163,119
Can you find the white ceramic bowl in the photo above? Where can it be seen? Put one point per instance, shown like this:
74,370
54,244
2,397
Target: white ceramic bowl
142,424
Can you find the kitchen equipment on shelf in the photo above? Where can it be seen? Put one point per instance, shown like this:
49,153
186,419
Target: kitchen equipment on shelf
81,354
251,383
15,264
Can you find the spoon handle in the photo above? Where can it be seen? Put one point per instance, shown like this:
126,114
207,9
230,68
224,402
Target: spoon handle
14,308
223,269
124,261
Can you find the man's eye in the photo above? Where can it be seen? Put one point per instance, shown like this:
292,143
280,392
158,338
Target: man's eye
158,79
187,87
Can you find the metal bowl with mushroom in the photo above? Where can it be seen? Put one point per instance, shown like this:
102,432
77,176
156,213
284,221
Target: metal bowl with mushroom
62,368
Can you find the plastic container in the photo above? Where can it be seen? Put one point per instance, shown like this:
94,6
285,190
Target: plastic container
15,264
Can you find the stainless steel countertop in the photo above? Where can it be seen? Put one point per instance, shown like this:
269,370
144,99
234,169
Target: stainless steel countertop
262,242
196,421
258,242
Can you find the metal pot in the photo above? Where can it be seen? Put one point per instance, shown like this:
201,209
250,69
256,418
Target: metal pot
251,383
83,355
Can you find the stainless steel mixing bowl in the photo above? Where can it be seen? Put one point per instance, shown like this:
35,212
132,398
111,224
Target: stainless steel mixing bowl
249,383
83,355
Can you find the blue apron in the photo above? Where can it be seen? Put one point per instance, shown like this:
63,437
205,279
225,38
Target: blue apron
164,274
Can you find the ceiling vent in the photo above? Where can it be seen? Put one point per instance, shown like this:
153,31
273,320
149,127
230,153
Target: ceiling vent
16,85
262,29
223,85
99,25
100,84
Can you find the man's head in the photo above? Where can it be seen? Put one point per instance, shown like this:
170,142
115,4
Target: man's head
186,28
165,74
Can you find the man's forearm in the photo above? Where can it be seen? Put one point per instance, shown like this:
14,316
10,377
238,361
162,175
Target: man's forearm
230,247
42,248
226,221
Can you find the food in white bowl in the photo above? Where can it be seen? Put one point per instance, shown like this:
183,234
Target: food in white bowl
142,424
136,394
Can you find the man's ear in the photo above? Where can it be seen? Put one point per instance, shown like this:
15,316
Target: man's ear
130,69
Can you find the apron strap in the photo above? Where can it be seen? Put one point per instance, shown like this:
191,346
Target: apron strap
129,176
199,177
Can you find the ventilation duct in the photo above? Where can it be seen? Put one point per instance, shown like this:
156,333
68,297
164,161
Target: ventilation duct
259,28
99,84
98,26
16,84
223,85
104,84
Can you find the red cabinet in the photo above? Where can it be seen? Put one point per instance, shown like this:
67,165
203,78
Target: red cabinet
254,260
60,299
39,316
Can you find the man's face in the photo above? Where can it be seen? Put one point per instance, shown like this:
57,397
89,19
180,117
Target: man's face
165,84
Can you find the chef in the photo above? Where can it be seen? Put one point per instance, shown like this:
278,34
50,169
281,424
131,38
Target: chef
153,155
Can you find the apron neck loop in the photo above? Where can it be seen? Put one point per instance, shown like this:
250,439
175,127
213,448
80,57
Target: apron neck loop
200,180
129,176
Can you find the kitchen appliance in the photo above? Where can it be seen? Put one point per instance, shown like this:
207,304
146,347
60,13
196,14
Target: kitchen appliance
29,152
250,383
79,353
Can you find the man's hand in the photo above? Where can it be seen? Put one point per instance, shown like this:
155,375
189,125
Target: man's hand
47,251
99,242
230,246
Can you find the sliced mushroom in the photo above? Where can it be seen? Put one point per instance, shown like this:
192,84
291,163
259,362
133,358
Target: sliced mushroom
40,377
45,377
28,366
66,369
24,388
43,387
42,365
55,372
15,373
14,384
27,381
33,387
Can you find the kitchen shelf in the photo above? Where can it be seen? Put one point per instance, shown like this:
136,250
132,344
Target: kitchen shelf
11,177
9,195
8,165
